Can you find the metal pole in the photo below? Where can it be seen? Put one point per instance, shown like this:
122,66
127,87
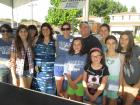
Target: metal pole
12,20
32,11
85,11
73,24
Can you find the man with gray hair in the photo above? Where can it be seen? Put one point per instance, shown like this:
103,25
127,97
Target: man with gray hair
89,40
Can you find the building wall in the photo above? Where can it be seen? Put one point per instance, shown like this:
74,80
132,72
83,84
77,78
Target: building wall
125,18
124,21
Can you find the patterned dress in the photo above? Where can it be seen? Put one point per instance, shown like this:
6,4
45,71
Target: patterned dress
43,80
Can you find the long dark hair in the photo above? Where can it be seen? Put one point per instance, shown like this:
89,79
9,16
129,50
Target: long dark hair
41,36
6,26
130,45
94,50
105,25
18,42
112,37
71,51
33,27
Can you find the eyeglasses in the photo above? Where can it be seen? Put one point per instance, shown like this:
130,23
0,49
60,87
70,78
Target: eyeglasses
3,31
65,29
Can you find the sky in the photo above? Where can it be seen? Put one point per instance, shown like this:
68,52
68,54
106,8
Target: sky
40,10
130,3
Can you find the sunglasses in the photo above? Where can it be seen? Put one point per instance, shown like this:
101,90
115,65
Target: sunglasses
65,29
3,31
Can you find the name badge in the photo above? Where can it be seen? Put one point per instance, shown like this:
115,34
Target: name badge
113,87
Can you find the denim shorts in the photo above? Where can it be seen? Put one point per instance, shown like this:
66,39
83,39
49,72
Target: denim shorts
58,70
26,73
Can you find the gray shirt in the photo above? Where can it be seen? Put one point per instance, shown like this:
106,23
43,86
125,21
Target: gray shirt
132,70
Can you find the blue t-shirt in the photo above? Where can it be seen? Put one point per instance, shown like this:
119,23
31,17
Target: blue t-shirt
63,45
62,49
74,65
4,52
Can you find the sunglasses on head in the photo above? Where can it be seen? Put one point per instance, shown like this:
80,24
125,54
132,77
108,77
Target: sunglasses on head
84,22
3,31
65,29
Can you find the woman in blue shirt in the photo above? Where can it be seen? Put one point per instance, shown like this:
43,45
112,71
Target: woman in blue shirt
44,61
63,43
5,43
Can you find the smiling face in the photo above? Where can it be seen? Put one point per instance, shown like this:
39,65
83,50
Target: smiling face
111,44
84,29
104,32
124,41
45,31
23,33
96,57
5,32
77,46
32,32
66,30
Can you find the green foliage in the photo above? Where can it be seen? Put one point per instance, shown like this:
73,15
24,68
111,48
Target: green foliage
137,38
24,20
58,16
103,8
55,3
133,9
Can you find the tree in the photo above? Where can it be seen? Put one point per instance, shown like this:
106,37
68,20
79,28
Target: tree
133,9
103,8
57,16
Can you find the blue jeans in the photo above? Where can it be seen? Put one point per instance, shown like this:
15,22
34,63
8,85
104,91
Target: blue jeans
99,100
26,73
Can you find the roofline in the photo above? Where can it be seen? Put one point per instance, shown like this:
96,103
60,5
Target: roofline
125,13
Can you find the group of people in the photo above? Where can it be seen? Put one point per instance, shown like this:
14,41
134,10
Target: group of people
85,69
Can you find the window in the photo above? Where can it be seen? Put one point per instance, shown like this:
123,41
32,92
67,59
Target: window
129,17
122,17
112,17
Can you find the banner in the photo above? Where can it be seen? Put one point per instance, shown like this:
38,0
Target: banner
11,95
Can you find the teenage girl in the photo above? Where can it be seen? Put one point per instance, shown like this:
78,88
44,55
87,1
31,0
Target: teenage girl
74,68
131,73
114,62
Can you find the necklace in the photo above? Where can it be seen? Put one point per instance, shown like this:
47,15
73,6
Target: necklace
110,61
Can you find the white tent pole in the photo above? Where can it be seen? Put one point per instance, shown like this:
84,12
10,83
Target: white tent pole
12,20
86,10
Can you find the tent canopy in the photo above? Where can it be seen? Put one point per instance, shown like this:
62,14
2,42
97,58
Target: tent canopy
15,3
